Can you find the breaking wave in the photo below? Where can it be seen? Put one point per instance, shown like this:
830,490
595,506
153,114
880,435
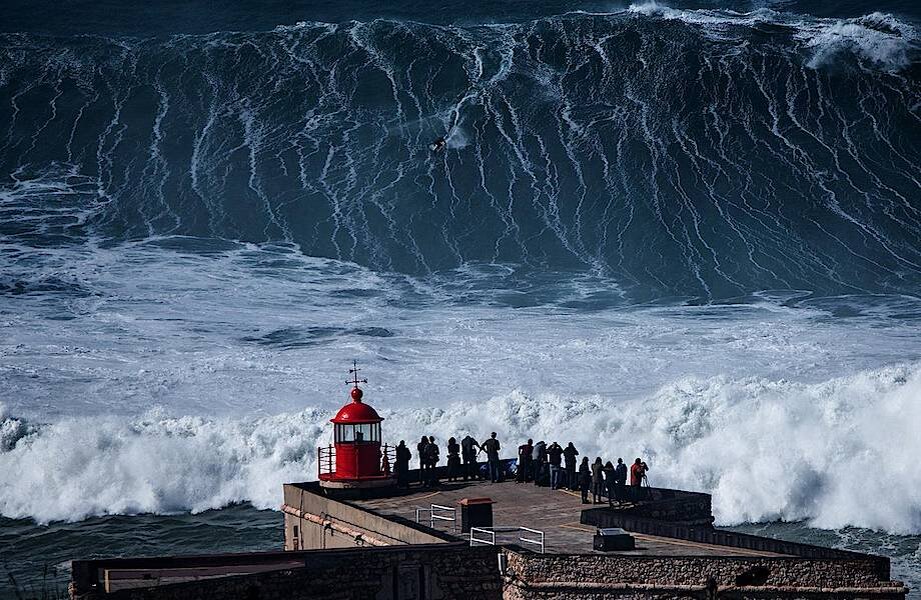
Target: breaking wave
705,153
767,449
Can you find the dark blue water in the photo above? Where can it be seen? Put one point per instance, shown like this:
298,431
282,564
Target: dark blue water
691,227
702,153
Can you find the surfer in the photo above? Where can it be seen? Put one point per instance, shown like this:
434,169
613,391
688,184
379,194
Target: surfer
438,145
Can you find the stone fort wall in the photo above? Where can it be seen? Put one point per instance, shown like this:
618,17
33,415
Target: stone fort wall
442,572
538,577
459,572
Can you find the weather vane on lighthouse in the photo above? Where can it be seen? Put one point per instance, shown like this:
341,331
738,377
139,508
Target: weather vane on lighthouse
354,381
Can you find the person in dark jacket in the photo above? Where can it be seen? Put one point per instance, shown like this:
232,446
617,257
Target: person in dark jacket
620,481
524,461
585,479
469,449
431,458
454,462
609,473
492,447
401,464
540,462
597,480
569,459
420,452
555,458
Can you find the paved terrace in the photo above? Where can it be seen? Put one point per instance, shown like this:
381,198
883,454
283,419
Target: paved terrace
555,512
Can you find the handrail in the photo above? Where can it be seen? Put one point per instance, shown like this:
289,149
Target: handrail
433,516
492,531
538,542
485,530
326,459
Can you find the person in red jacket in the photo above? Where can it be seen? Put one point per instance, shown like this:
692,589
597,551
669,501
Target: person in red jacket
637,474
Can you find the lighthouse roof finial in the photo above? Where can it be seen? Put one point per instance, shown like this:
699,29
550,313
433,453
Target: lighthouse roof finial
354,381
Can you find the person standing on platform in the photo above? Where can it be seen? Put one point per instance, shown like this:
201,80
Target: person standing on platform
431,458
585,479
620,480
540,460
524,461
597,480
569,459
420,452
609,474
535,454
453,459
637,473
401,464
469,450
555,457
492,447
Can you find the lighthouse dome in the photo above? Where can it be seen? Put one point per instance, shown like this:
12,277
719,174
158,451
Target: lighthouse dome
357,411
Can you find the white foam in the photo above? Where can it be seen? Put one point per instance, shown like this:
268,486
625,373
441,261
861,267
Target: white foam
652,8
878,38
689,386
839,452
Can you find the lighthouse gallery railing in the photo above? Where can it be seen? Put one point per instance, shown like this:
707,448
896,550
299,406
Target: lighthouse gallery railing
326,459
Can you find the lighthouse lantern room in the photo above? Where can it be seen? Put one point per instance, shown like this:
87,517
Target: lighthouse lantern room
356,458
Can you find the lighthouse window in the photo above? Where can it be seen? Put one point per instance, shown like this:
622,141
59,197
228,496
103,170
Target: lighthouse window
365,432
368,432
345,433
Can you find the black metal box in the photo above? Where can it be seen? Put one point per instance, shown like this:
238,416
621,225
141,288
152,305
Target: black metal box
607,540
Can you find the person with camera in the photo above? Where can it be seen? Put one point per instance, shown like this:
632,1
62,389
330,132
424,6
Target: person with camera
637,475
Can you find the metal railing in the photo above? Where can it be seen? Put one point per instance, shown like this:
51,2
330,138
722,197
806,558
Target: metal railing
433,511
326,459
388,459
488,536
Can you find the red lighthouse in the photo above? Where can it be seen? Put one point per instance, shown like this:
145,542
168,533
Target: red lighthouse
356,458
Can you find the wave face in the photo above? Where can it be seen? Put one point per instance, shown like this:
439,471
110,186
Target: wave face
703,153
768,450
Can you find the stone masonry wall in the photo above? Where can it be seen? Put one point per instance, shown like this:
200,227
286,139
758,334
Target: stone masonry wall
532,576
446,572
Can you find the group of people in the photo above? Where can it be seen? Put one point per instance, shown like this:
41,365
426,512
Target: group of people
555,466
462,460
539,463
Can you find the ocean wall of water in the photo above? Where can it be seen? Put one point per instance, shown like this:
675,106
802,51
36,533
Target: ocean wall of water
686,152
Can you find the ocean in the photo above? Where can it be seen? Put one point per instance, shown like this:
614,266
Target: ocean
687,231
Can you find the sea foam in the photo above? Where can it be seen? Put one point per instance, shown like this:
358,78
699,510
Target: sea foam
767,449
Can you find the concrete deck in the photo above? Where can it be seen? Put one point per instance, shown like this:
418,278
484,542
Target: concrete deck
556,513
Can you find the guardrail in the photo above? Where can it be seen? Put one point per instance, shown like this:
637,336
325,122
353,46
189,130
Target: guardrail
433,511
326,459
489,536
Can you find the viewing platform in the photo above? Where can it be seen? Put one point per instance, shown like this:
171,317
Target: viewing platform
409,544
354,533
556,513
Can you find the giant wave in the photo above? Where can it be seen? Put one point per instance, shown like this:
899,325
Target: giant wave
703,153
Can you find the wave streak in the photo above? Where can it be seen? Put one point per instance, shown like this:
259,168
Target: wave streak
691,152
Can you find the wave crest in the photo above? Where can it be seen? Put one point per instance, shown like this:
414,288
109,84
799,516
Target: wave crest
878,38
